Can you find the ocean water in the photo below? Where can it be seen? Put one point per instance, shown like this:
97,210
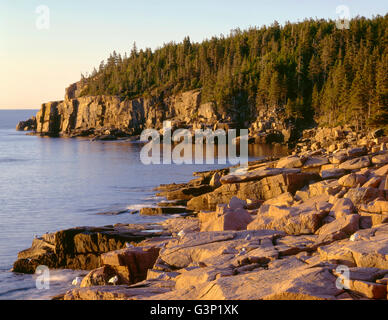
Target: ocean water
49,184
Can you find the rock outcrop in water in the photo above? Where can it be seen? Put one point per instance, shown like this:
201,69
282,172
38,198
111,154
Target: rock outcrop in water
28,125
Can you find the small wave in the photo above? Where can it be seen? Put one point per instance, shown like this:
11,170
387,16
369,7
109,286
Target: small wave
113,213
153,198
16,290
137,207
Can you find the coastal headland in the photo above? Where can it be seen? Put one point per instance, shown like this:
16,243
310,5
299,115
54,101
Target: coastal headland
313,225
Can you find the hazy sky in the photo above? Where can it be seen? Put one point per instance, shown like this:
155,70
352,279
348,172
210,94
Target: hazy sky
37,64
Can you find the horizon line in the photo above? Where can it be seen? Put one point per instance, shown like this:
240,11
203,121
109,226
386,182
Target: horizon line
18,108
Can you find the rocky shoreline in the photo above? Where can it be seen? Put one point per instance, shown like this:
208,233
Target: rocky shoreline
286,229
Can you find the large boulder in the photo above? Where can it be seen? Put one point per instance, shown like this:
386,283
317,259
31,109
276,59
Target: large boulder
292,220
380,159
225,219
383,171
368,250
339,229
374,213
362,195
357,163
264,189
27,125
326,187
257,174
215,246
78,248
132,264
158,211
314,162
377,206
186,193
291,162
368,289
342,207
98,277
285,199
352,180
339,157
332,173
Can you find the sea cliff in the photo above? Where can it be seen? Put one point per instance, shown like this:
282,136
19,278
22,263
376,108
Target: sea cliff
109,117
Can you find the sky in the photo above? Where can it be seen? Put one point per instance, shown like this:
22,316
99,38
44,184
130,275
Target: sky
40,57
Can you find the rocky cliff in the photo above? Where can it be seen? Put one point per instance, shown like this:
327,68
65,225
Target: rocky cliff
112,117
77,116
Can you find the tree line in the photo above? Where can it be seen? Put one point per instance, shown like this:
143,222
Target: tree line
311,69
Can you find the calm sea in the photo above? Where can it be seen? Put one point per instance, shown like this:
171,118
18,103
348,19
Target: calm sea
52,184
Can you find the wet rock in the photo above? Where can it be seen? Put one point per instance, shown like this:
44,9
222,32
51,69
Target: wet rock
158,211
27,125
186,193
105,137
173,203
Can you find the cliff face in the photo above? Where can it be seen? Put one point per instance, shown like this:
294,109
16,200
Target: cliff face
84,115
111,116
